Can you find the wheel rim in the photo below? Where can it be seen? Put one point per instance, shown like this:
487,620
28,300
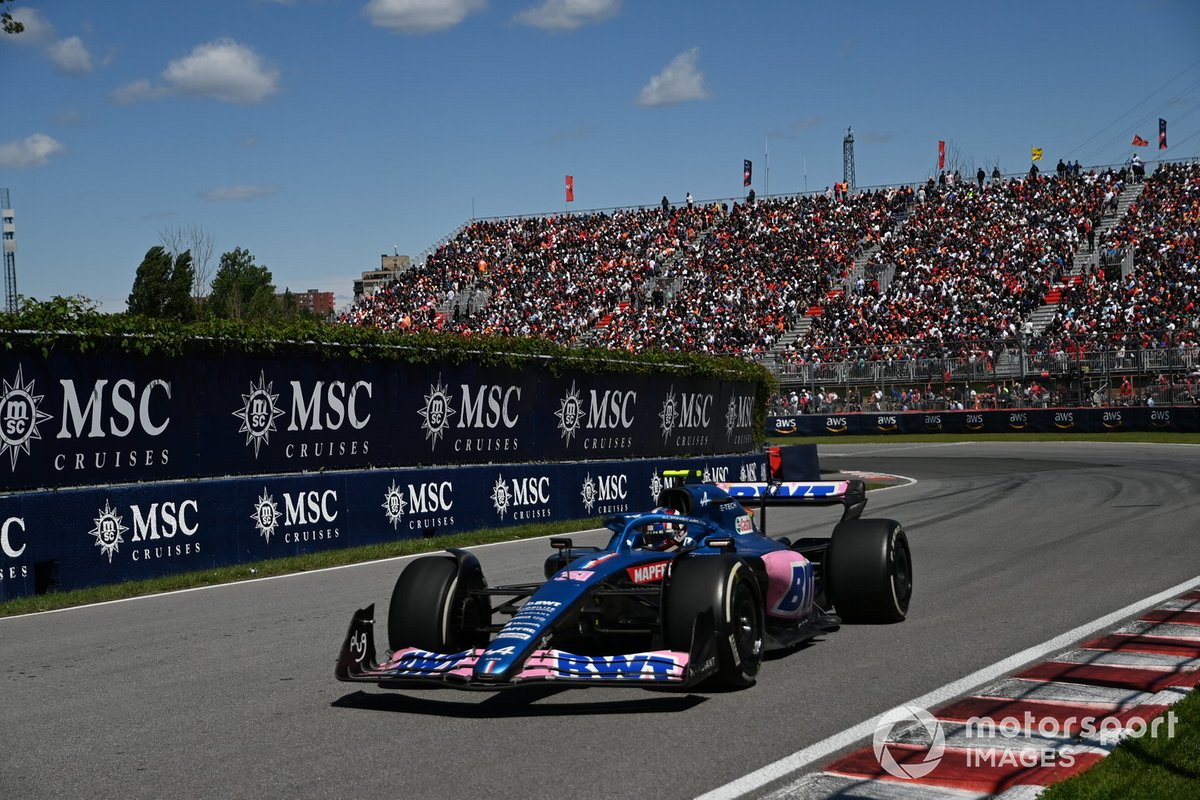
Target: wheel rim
901,573
746,634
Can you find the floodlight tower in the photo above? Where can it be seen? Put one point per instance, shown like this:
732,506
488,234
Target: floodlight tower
848,160
10,253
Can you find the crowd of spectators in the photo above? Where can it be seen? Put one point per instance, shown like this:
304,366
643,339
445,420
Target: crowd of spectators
968,265
955,264
1157,304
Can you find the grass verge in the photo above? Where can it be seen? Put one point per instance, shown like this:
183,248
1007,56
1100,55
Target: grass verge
1145,767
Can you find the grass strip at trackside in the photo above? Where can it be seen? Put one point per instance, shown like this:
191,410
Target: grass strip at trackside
1147,767
287,565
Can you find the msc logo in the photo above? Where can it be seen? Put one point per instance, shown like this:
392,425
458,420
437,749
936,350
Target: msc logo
109,531
161,520
258,413
612,410
519,493
20,416
8,544
668,414
486,407
740,414
130,408
266,515
433,497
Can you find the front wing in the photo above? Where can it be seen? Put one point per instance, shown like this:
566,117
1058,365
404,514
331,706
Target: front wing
415,668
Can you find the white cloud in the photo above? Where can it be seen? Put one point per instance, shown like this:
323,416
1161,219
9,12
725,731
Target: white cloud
228,194
223,70
32,151
420,16
679,82
568,15
71,56
38,29
136,92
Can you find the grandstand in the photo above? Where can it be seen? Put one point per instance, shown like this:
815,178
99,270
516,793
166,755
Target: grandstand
1074,279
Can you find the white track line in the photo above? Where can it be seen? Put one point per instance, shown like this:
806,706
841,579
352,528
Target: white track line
288,575
827,747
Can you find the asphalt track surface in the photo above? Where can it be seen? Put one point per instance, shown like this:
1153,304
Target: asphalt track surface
229,692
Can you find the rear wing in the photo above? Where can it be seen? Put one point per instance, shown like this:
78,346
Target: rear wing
851,494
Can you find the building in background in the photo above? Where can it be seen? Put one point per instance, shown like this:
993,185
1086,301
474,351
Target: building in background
389,268
315,301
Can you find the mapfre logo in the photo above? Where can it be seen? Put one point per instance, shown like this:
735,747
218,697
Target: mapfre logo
20,415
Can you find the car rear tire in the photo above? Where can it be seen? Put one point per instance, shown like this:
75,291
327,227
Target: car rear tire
432,607
869,571
725,591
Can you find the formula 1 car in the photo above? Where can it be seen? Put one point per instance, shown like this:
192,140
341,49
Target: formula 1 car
693,592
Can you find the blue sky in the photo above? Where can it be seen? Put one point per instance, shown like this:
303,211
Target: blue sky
318,134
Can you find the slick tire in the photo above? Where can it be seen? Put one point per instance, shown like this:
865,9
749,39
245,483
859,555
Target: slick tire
722,591
869,571
432,608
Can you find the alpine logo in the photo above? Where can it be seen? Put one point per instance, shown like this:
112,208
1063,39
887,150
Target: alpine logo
20,415
258,413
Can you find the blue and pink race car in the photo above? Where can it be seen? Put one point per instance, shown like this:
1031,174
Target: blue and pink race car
693,592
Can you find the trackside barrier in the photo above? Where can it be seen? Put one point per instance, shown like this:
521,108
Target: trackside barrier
1173,419
110,417
79,537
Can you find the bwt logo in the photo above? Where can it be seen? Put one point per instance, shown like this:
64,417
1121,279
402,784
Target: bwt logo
115,410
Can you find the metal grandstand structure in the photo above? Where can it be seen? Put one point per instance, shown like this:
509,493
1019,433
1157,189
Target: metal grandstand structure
10,253
848,161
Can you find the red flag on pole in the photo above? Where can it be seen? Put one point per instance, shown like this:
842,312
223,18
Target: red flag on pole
941,154
570,189
1139,141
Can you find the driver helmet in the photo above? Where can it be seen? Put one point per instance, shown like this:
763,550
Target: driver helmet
664,535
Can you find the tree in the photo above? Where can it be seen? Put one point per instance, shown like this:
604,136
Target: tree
162,288
241,288
10,25
200,243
